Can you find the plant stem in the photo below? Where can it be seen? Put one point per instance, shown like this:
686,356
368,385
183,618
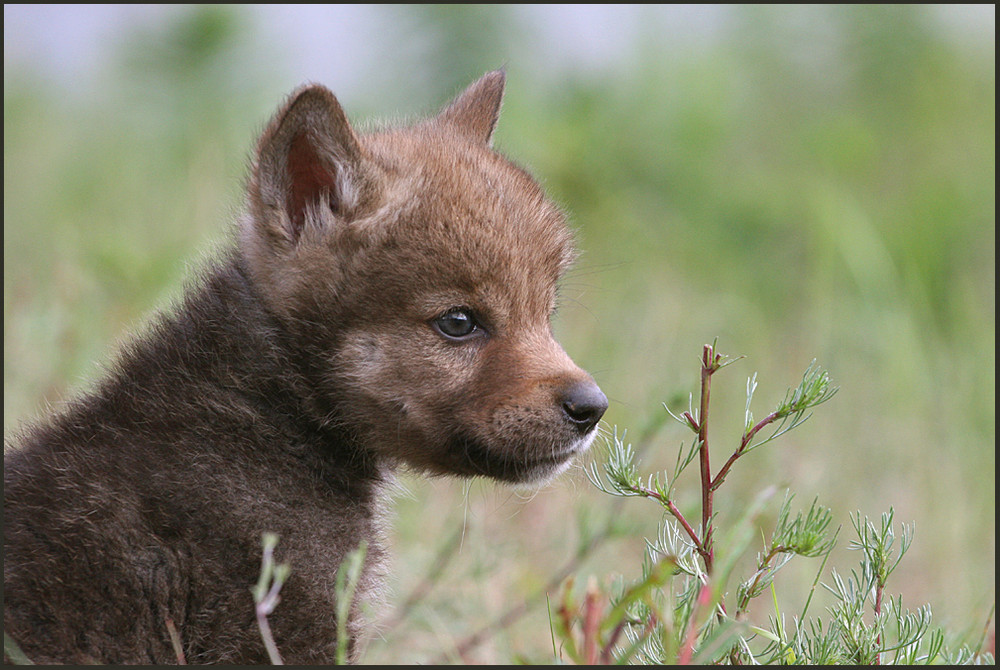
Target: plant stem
264,608
744,443
672,508
266,598
175,641
689,530
878,610
762,567
709,365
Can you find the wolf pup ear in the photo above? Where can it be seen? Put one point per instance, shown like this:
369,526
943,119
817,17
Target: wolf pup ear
475,111
308,168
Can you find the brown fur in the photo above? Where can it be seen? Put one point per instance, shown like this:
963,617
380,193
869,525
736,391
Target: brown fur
300,371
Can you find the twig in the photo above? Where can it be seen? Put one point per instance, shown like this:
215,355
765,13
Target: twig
721,475
702,550
709,365
677,514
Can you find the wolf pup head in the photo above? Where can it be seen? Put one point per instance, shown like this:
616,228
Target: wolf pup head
416,269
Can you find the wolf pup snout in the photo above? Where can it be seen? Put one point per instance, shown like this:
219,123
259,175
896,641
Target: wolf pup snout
386,303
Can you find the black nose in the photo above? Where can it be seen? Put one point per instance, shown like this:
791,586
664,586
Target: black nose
584,404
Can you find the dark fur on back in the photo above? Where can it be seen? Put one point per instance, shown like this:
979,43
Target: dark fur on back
386,303
151,494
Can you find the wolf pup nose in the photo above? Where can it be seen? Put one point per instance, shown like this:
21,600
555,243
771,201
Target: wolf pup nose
584,404
386,303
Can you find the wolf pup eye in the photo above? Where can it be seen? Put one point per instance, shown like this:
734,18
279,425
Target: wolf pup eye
458,324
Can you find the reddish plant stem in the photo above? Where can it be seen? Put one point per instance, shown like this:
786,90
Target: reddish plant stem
761,568
689,530
609,647
709,365
744,443
672,508
647,630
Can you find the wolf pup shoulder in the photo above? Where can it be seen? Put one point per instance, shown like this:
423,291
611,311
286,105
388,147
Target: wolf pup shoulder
385,303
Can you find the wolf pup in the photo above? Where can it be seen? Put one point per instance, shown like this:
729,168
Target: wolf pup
385,303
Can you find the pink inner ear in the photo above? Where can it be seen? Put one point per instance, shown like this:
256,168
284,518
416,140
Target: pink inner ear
312,181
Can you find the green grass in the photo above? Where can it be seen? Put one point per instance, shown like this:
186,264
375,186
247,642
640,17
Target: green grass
842,210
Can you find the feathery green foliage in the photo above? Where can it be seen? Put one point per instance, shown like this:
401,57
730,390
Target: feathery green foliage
680,610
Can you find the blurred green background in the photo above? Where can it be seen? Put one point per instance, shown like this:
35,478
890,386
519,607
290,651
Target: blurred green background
800,182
